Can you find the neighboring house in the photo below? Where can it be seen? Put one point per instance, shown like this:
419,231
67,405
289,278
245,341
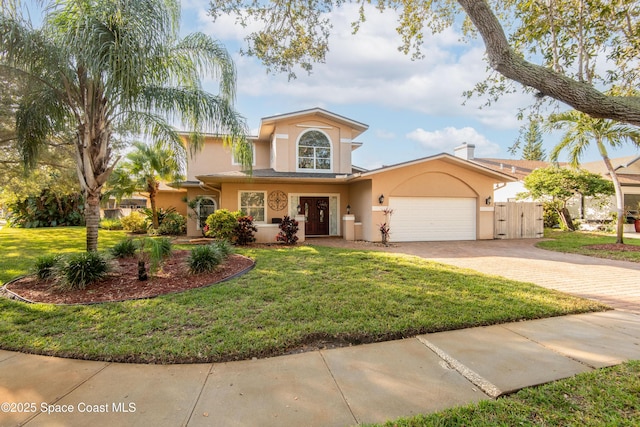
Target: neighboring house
167,197
302,168
627,170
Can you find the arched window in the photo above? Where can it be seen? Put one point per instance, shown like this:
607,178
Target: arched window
314,151
206,206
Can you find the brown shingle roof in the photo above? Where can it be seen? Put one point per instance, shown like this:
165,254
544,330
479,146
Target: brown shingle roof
519,169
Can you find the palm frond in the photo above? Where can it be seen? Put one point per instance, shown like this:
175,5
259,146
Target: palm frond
206,57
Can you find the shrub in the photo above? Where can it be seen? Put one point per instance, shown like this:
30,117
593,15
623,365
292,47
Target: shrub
204,259
224,247
173,224
48,209
550,215
45,266
134,223
222,224
288,231
124,248
80,270
111,224
244,229
162,213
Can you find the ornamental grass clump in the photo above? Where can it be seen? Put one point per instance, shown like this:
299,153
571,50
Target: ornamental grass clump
124,249
45,266
79,270
204,259
224,247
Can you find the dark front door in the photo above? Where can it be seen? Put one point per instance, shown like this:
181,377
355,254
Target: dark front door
316,212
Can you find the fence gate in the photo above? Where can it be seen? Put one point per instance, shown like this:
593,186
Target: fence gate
518,220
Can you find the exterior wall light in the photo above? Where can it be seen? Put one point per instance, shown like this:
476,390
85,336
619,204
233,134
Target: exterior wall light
381,199
298,209
487,200
348,209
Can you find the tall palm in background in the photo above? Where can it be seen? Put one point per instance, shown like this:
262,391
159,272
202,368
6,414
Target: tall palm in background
581,131
102,67
143,170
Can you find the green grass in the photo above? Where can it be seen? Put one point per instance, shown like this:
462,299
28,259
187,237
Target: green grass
20,247
577,242
294,296
605,397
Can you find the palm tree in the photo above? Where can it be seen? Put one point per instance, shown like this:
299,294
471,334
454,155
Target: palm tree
103,66
581,130
143,169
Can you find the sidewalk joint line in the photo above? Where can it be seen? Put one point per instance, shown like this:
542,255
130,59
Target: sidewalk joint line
551,349
344,398
28,420
485,385
197,399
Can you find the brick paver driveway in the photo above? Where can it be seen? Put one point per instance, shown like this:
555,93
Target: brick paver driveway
616,283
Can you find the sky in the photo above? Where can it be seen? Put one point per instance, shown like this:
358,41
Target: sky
414,109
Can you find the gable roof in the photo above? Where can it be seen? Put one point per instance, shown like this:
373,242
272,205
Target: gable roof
517,169
268,124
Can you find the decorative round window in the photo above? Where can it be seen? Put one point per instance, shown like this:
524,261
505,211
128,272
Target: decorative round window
277,200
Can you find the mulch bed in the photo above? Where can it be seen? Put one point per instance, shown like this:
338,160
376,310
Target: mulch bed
123,284
614,247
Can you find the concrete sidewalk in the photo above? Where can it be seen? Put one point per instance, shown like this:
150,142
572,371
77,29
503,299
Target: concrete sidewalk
338,387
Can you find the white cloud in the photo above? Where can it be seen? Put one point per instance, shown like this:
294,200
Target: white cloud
384,134
367,68
447,139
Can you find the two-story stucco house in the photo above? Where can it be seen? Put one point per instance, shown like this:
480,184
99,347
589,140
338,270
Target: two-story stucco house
302,168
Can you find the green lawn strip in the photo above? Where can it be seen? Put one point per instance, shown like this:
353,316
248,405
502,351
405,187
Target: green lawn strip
19,247
609,396
577,242
293,296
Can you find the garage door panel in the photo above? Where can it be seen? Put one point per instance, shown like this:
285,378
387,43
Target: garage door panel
432,219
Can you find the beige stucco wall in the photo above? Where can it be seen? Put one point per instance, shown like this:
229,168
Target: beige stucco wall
287,133
360,201
230,195
216,157
168,199
434,178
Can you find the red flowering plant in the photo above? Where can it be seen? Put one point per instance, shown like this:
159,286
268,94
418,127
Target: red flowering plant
385,229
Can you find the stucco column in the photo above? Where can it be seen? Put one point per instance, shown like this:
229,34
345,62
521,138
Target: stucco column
301,223
348,227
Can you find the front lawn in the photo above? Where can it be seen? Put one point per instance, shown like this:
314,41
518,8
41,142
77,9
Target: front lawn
605,397
582,243
295,296
20,247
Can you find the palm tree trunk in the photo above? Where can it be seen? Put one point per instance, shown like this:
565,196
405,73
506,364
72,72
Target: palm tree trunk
619,199
153,189
92,218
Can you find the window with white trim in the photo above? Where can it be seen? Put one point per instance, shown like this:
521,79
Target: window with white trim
314,151
253,203
205,207
235,155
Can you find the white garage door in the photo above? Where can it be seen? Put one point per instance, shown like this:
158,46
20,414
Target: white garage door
416,219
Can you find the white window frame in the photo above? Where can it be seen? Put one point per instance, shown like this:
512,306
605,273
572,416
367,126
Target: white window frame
235,162
264,199
215,208
299,169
